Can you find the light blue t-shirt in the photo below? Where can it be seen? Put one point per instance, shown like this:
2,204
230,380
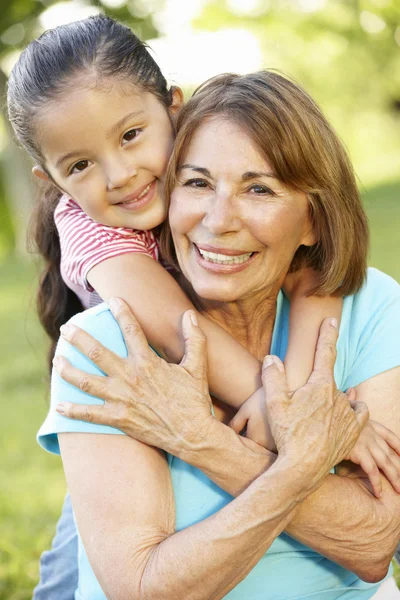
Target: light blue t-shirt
369,343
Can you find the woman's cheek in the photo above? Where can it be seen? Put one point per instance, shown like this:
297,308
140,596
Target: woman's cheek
183,216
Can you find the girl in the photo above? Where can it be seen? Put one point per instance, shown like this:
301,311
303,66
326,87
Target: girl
92,108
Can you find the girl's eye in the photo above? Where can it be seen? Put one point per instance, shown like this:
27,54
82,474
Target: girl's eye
196,183
259,189
81,165
131,134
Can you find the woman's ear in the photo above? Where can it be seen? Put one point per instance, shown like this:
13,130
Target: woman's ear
40,173
177,101
310,237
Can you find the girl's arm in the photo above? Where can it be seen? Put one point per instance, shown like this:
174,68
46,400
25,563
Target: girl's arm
306,316
158,304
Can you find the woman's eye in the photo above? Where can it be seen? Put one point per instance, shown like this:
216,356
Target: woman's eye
196,183
260,189
81,165
131,134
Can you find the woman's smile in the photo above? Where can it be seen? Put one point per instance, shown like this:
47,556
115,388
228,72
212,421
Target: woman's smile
222,260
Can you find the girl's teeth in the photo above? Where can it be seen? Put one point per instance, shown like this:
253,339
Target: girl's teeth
146,189
223,259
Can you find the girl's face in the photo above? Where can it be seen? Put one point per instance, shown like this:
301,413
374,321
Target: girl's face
235,226
108,149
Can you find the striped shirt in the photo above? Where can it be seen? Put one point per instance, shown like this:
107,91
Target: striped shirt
85,243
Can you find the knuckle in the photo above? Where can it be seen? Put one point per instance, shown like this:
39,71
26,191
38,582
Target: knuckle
130,329
95,353
83,384
87,415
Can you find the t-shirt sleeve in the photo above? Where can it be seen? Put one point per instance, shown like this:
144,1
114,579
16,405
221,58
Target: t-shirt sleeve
85,243
375,329
100,323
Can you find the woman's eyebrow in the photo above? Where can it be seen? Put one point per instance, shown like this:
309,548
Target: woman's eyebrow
256,174
201,170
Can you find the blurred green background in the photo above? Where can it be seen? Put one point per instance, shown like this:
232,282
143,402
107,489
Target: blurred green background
346,53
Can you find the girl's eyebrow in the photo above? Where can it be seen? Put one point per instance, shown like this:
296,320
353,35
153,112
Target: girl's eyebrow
121,122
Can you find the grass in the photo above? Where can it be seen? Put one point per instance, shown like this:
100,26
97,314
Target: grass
32,485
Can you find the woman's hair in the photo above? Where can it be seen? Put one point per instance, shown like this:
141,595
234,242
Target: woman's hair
305,154
88,53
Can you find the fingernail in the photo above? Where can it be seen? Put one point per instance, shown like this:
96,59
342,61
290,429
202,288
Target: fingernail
334,323
56,362
60,408
66,330
268,361
193,318
114,303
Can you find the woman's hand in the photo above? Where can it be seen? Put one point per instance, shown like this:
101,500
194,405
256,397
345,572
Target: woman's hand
161,404
314,427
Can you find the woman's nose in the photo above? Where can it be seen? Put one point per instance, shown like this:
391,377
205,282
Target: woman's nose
119,173
222,214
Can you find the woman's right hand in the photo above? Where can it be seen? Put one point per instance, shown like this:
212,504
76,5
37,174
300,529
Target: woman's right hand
314,427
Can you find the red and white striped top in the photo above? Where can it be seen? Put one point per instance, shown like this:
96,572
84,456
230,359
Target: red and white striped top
85,243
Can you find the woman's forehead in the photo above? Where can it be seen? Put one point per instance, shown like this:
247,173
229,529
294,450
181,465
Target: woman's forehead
221,142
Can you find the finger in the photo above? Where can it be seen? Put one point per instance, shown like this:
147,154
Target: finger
325,354
369,467
101,356
135,340
94,413
239,421
387,462
194,360
274,379
95,385
386,434
352,396
362,414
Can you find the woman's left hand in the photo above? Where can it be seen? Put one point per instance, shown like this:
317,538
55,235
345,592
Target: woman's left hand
161,404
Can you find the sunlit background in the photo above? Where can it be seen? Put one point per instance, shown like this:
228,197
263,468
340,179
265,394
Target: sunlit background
346,53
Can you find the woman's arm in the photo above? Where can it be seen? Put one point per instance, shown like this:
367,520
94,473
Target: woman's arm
342,520
123,497
124,506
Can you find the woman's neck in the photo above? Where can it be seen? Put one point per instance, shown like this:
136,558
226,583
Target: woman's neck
248,322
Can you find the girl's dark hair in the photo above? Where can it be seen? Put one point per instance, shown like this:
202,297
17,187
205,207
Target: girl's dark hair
89,53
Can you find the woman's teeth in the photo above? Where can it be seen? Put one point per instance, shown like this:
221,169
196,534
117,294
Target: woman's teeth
223,259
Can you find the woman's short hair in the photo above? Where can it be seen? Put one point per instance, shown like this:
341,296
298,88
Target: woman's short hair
305,154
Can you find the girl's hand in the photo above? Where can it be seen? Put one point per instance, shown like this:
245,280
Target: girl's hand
252,417
376,449
161,404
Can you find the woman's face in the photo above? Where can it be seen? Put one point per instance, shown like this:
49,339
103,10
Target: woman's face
235,227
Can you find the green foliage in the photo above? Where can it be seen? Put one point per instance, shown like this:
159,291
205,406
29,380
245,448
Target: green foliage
352,72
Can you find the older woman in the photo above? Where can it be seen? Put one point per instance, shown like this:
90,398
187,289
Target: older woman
255,168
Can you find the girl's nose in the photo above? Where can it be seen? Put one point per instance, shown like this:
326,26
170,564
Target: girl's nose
119,174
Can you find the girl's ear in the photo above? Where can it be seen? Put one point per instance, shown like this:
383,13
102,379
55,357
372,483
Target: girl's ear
40,173
177,101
